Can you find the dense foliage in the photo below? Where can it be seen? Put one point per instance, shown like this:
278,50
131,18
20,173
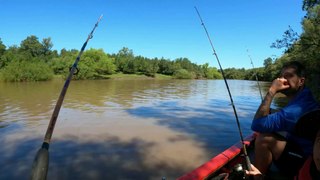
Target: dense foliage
305,48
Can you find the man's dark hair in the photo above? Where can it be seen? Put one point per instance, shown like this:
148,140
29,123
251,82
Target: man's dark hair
299,68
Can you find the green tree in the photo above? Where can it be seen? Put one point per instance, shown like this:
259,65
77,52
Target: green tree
168,67
289,38
183,74
141,63
99,61
308,50
47,45
310,38
213,73
185,63
31,46
233,73
60,65
10,55
252,74
122,59
2,48
269,69
27,71
130,67
152,68
47,54
307,4
95,63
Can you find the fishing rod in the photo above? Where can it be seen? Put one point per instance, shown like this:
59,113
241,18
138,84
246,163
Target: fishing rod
248,163
255,73
41,161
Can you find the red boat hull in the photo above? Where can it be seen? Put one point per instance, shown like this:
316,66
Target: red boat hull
216,164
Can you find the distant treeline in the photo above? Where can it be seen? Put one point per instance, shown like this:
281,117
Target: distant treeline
34,60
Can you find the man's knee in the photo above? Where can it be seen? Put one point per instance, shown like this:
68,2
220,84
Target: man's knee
272,142
266,138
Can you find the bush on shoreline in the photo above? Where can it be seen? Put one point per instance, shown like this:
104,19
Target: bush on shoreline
27,71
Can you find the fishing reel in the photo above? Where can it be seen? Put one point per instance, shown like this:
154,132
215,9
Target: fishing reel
76,70
236,173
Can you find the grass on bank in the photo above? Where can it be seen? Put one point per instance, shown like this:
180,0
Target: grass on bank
117,76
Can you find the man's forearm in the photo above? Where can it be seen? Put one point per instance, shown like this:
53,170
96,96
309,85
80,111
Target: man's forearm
264,108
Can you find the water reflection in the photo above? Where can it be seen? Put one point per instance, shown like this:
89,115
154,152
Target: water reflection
122,129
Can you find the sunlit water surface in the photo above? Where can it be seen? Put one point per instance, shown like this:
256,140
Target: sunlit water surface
122,129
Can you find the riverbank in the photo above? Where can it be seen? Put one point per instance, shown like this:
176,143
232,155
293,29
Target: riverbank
118,76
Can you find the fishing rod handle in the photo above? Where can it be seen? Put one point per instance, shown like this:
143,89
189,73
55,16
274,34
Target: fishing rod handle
248,163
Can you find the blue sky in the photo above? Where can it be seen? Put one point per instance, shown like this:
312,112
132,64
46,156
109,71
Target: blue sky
157,28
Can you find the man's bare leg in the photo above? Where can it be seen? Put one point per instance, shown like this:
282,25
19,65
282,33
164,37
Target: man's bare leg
268,147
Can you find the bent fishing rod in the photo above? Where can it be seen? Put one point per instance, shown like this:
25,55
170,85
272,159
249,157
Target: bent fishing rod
248,163
41,161
255,73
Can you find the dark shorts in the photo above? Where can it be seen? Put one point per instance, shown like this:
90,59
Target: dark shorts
291,159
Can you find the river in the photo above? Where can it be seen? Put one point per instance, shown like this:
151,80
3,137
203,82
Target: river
122,129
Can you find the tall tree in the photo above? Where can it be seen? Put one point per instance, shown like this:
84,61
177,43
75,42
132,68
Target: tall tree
47,45
2,48
10,55
289,38
123,57
32,46
307,4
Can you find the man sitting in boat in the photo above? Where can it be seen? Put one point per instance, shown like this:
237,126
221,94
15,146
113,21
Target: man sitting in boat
286,151
308,127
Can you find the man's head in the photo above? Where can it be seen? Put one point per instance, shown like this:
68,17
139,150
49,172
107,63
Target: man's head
294,73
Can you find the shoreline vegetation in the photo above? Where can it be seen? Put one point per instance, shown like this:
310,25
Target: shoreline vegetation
33,60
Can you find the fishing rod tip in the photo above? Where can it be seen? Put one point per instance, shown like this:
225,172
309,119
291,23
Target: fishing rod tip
100,17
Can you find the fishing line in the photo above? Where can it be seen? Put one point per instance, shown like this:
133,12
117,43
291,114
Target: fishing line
248,163
255,73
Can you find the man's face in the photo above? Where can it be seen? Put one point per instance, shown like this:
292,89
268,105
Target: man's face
293,80
316,151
